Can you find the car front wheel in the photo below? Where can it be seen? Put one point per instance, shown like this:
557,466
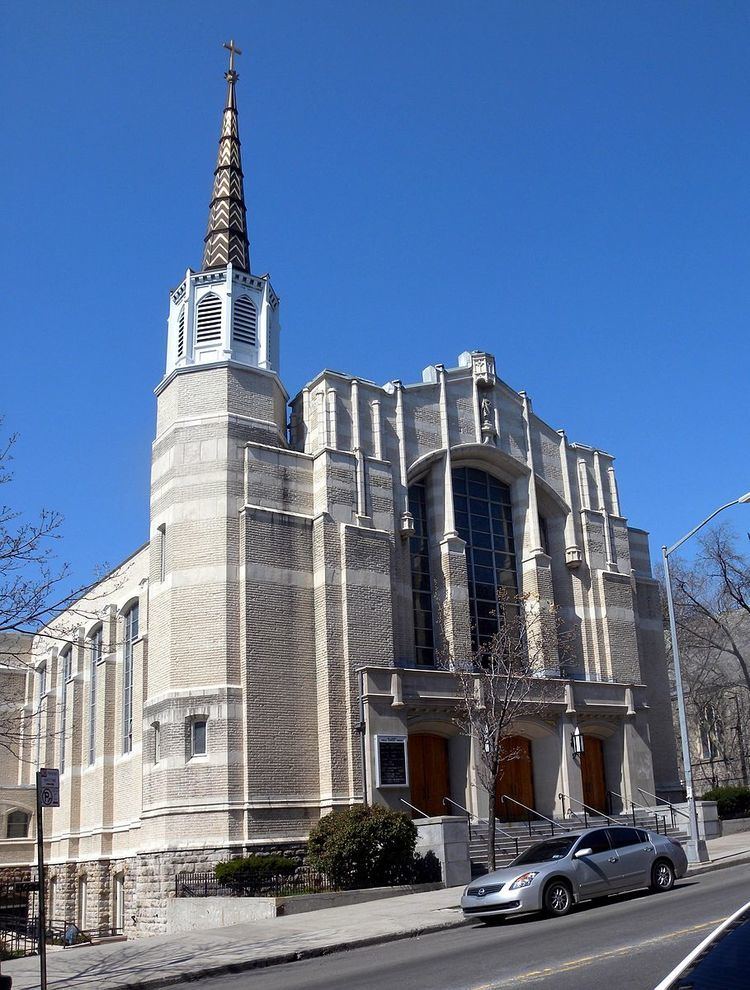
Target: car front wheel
558,899
662,876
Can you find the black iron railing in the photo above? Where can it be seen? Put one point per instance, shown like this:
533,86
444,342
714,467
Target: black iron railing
302,881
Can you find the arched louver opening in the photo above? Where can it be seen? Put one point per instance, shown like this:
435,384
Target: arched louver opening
208,320
181,334
245,321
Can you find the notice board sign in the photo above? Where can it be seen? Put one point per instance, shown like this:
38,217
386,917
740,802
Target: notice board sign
48,785
392,765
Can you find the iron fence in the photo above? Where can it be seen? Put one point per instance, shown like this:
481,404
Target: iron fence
19,922
302,881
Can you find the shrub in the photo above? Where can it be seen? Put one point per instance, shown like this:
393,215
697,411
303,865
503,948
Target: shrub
249,872
369,847
732,802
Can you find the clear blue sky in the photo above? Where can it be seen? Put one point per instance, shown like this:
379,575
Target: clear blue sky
566,185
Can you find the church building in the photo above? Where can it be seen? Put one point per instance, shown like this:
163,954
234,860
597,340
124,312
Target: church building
275,650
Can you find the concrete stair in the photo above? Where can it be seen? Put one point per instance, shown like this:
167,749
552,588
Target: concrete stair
520,835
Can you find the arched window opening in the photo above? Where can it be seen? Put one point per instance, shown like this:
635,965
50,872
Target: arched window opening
245,321
421,585
95,645
17,826
208,320
130,623
181,333
484,520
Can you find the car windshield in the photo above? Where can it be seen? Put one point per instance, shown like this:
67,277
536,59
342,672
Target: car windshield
723,964
546,851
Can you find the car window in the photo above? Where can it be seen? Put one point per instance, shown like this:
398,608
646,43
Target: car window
643,835
546,851
597,841
624,837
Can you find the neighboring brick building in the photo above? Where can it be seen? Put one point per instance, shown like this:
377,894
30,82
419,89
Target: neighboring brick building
205,698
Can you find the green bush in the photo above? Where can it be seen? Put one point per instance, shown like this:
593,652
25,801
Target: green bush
732,802
427,868
249,872
369,847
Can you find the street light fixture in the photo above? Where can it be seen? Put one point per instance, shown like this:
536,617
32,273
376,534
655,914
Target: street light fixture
696,846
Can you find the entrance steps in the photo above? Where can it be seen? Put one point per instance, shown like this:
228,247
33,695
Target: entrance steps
520,835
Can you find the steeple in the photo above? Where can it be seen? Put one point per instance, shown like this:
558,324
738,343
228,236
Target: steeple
226,238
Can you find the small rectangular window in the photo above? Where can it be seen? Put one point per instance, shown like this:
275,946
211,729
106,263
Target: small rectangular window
198,738
157,742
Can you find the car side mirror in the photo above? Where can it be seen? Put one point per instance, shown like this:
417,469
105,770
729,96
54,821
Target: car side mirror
580,853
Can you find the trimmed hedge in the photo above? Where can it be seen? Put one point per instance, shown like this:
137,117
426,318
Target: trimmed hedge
249,871
369,847
732,802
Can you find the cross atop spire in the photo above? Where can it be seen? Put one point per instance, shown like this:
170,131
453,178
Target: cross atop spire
226,238
233,49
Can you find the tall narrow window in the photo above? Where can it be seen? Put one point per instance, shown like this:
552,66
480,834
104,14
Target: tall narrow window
157,741
130,621
67,667
208,320
42,681
82,902
484,520
162,552
245,321
181,333
421,588
95,657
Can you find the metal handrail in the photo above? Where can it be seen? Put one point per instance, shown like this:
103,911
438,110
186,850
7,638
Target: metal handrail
418,810
673,810
533,811
586,808
480,821
649,811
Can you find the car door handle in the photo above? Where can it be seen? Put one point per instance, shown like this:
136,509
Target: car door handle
613,859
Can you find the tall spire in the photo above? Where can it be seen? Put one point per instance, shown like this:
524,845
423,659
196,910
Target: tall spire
226,238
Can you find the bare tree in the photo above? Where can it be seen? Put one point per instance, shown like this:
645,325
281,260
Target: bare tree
712,611
501,681
34,591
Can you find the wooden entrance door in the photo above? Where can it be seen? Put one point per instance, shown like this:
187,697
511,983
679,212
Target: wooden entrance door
592,773
517,780
428,773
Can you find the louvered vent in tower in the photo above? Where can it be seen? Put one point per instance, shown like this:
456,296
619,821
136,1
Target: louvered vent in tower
208,321
181,334
245,321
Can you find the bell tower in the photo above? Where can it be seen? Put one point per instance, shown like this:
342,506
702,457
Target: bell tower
221,391
224,312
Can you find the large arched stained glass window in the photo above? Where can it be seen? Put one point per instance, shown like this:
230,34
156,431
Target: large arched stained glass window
484,520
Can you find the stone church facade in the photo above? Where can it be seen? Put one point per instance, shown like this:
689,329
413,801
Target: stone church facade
279,638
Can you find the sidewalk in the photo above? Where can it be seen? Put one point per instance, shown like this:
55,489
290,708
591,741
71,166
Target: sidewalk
168,959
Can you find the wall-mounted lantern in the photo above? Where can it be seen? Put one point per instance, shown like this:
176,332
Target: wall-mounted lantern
576,742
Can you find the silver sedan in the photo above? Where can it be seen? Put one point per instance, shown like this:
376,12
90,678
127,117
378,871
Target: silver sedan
558,872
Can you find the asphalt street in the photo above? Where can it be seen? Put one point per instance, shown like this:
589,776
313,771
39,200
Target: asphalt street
625,943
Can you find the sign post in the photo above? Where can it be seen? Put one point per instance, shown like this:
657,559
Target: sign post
47,796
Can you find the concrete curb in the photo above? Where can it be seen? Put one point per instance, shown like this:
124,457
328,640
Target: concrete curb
280,958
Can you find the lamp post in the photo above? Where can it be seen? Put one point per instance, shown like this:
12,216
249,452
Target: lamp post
696,847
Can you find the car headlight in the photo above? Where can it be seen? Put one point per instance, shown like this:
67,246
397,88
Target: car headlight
524,880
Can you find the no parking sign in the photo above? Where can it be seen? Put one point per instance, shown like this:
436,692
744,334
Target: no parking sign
48,783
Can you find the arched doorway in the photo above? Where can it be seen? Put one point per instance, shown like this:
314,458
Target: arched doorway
517,780
428,772
592,773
